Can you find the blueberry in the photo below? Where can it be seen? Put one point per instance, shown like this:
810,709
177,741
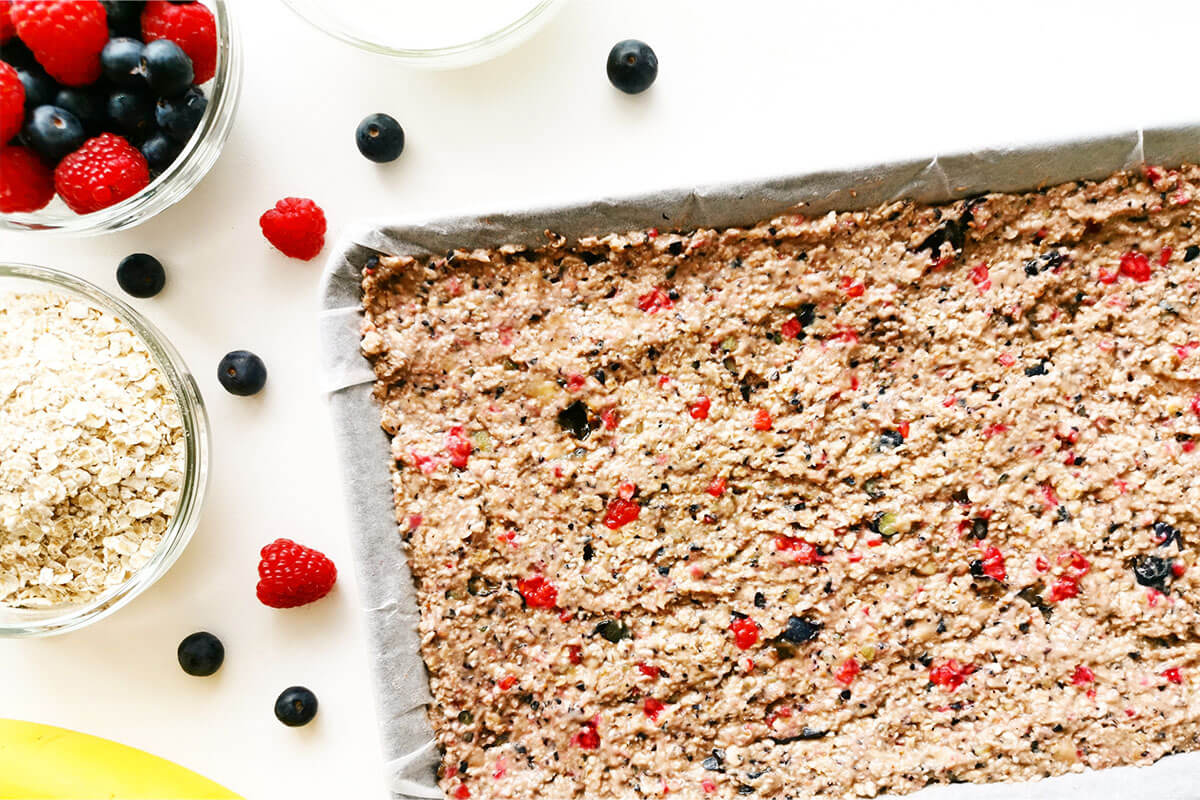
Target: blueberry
131,113
888,440
242,373
1152,571
180,116
632,66
40,88
167,68
574,418
124,16
141,275
380,138
800,630
88,106
296,706
121,62
201,654
54,132
160,151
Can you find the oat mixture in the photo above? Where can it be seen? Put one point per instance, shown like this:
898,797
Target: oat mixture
91,451
823,507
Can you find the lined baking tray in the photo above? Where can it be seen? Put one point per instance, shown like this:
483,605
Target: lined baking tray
388,596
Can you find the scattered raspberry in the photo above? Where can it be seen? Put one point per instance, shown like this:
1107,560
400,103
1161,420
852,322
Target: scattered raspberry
507,682
621,511
1082,676
575,654
654,300
26,184
846,672
190,26
745,632
699,409
296,226
903,429
458,446
12,103
762,420
538,593
791,328
805,552
101,173
65,36
1173,675
650,671
992,564
1062,589
652,707
851,288
717,487
588,737
950,674
461,792
292,575
7,30
979,277
1165,256
1135,265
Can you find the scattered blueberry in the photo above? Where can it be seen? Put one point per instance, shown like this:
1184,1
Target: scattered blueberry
167,68
141,275
1152,571
54,132
160,151
124,16
574,418
632,66
800,630
88,106
380,138
242,373
40,88
296,706
121,62
131,113
888,440
180,116
201,654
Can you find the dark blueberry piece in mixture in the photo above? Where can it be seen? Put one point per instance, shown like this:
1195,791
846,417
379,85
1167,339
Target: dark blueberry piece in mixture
180,116
40,88
1152,571
760,600
131,113
1037,369
141,275
160,151
167,68
888,440
712,764
242,373
613,630
1191,252
1165,534
977,569
201,654
979,528
574,418
800,630
124,16
121,62
88,105
632,66
296,706
379,138
54,133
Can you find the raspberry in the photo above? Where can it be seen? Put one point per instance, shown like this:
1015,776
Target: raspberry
621,511
66,36
292,575
654,300
191,26
26,184
745,632
459,447
762,420
12,103
296,226
846,672
1082,676
699,409
105,171
7,30
538,593
950,674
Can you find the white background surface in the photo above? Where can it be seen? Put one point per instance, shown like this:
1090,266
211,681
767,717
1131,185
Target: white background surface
745,89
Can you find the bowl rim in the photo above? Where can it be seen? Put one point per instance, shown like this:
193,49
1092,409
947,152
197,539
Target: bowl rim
185,173
448,55
197,441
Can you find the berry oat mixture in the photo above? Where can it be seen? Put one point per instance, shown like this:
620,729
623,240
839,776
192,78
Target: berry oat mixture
828,506
91,451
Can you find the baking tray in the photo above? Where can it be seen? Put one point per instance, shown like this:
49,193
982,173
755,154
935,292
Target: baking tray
386,588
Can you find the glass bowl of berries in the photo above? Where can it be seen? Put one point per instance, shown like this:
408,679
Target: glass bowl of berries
110,110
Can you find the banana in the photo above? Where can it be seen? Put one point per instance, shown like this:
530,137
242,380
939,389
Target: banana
40,762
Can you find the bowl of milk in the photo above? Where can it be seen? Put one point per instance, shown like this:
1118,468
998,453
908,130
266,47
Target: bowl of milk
436,34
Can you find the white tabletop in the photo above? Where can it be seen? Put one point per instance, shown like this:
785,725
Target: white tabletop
745,90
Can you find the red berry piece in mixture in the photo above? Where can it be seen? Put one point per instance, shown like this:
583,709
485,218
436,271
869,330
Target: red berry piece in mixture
803,552
26,184
622,510
991,565
293,575
950,674
189,25
65,36
588,738
762,420
654,301
296,226
652,707
458,446
105,171
846,672
699,409
1135,265
537,592
717,487
12,103
1082,676
745,632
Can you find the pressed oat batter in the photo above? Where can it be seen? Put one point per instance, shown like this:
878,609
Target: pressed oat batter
822,507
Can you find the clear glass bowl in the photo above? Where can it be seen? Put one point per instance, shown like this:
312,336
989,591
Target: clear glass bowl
17,622
198,155
450,33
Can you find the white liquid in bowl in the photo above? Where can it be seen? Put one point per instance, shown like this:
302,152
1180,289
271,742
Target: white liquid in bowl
424,24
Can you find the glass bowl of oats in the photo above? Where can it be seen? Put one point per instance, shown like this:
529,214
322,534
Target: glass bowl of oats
104,446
